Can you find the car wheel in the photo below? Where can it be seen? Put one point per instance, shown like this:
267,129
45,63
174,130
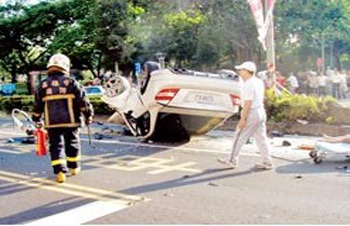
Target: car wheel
318,160
313,154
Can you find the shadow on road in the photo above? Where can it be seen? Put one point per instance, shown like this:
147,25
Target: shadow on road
306,166
189,180
44,210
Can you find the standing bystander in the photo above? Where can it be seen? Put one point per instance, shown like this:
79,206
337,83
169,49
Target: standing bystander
253,118
322,83
293,83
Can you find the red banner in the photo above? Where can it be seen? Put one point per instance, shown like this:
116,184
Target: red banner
257,11
270,4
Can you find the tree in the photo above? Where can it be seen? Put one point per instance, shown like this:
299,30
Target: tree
299,32
25,36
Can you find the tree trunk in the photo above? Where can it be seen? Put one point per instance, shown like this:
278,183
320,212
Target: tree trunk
13,77
26,69
337,63
13,72
29,85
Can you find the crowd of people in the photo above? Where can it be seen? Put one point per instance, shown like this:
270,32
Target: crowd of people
333,83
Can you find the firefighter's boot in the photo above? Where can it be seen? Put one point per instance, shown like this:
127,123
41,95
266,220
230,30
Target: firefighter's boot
75,171
61,177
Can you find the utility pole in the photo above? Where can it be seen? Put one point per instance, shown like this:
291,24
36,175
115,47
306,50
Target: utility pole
323,55
331,64
270,40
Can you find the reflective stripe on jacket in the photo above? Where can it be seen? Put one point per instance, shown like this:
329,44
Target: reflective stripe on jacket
62,100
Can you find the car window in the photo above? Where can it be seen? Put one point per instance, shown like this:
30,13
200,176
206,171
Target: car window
93,90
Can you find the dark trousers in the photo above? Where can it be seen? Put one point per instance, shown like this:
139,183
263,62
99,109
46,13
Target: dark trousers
336,90
64,148
322,91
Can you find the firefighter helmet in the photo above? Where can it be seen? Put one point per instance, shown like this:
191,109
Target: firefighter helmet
59,60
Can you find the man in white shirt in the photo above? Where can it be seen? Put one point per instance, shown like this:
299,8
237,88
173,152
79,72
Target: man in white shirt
343,85
313,83
335,83
293,83
253,118
322,84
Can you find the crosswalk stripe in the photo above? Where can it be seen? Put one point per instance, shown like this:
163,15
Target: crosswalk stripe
10,151
82,214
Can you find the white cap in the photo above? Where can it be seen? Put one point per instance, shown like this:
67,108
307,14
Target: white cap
248,65
59,60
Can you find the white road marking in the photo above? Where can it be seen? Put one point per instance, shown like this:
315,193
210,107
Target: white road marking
67,188
107,201
10,151
12,133
82,214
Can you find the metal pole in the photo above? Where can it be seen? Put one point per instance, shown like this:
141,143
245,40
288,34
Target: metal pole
331,55
323,55
270,41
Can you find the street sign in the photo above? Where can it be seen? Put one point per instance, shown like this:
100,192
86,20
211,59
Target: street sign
137,68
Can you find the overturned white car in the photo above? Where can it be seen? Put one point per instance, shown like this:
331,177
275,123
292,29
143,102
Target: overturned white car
176,102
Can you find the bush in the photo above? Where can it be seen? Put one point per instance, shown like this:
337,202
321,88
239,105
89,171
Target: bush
100,107
21,88
11,102
287,107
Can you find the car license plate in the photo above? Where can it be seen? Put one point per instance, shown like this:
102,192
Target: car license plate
201,98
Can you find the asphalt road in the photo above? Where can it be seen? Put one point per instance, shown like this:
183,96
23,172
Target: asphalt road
126,181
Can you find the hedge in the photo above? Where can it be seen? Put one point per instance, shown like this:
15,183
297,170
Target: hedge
26,103
288,107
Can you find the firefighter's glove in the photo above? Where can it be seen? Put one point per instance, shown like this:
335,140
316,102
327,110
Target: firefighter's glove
38,124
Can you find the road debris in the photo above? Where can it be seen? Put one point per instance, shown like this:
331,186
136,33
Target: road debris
213,184
100,136
286,143
298,176
341,167
22,140
276,133
168,194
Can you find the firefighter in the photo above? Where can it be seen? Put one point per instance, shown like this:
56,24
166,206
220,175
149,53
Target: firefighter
62,100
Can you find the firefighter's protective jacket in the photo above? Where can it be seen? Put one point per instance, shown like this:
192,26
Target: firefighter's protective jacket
62,100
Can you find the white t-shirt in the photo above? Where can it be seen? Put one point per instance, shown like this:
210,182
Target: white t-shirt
293,81
342,78
253,89
322,80
336,78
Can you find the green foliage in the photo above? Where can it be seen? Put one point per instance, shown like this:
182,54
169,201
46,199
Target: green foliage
202,34
21,88
100,108
299,33
289,108
7,104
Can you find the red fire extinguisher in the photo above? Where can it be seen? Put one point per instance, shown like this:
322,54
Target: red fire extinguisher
40,135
